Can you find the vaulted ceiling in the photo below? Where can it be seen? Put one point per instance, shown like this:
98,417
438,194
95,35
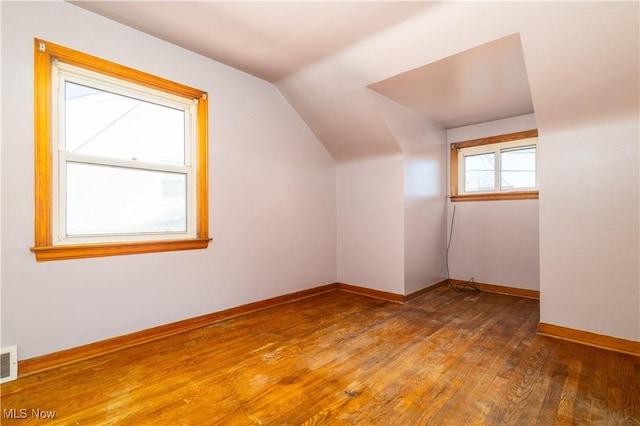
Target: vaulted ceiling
454,63
265,38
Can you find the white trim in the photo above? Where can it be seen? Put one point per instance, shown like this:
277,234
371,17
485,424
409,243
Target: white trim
62,73
118,86
122,162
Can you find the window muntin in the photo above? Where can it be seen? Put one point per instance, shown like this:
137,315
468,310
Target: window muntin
120,148
499,167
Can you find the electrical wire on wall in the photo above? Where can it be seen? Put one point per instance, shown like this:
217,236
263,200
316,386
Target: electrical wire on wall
470,284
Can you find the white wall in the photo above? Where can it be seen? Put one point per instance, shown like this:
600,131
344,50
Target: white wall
273,186
496,242
392,208
272,198
423,145
371,223
587,108
582,63
589,212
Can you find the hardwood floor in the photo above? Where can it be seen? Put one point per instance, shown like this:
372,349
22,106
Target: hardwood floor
445,358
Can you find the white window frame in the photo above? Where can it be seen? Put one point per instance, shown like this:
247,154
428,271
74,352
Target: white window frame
62,73
497,149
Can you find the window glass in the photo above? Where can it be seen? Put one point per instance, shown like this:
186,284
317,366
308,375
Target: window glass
98,122
118,200
518,168
479,172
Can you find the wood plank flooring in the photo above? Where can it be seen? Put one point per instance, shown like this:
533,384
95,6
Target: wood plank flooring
446,358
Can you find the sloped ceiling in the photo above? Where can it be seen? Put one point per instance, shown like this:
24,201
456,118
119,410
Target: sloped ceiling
455,63
269,39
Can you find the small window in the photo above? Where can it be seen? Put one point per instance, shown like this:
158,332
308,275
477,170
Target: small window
499,167
120,159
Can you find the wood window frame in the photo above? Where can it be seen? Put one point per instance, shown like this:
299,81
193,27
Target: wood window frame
506,195
44,248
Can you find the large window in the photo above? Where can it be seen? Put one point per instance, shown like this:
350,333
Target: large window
498,167
120,159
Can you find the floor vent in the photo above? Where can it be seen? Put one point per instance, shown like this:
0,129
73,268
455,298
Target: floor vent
8,364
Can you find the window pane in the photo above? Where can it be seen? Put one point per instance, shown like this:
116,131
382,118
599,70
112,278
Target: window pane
118,200
479,172
106,124
518,168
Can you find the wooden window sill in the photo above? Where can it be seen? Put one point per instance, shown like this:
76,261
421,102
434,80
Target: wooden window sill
522,195
79,251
